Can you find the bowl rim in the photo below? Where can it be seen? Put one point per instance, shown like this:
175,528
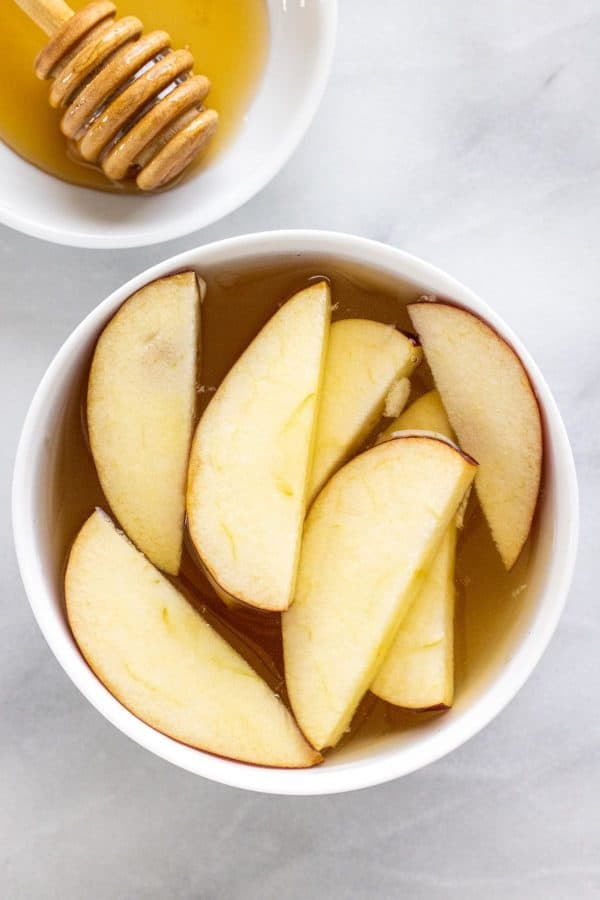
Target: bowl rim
247,189
351,775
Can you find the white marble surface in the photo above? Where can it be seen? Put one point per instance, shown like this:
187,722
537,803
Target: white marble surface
468,133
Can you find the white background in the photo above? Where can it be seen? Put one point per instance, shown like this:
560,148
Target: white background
467,132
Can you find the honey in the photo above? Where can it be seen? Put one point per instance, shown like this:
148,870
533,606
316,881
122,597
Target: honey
228,39
239,300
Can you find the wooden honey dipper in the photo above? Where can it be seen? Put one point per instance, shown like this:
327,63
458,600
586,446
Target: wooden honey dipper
132,105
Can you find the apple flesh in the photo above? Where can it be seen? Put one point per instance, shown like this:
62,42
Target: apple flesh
140,412
494,412
251,456
369,538
418,671
364,359
164,662
396,398
425,414
428,414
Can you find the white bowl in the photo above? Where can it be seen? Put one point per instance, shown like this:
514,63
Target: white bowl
301,48
360,763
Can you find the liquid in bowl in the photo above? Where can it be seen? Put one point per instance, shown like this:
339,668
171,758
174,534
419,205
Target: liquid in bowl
240,298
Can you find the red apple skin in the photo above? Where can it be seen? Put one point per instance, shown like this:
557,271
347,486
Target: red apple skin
510,530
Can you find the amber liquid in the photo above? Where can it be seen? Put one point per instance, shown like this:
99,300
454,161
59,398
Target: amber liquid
239,300
229,41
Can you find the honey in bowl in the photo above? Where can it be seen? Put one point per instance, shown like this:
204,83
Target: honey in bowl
228,39
239,300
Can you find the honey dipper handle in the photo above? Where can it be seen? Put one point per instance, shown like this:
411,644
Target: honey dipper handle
48,14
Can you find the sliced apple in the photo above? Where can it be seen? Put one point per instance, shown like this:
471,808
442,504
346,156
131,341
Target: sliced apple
396,398
427,413
164,662
251,456
364,359
418,671
368,539
140,412
493,410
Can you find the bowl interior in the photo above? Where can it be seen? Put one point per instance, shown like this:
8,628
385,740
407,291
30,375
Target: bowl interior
526,625
302,37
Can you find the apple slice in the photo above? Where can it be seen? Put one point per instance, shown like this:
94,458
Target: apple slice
252,452
396,398
418,671
140,412
164,662
427,413
364,359
493,410
368,538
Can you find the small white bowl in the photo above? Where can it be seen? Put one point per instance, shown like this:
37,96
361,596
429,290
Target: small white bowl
362,762
302,40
